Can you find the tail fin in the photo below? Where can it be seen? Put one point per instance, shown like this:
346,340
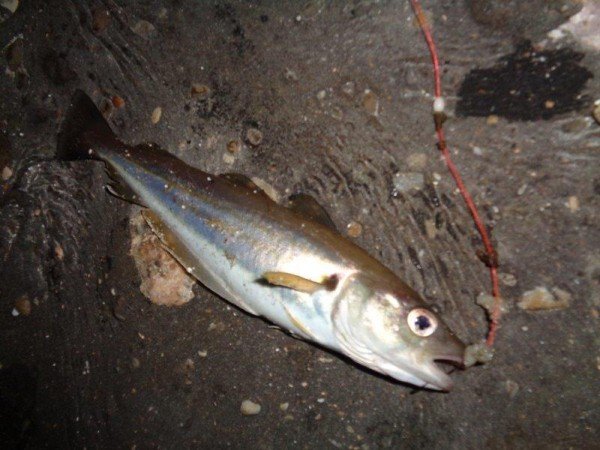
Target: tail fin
82,127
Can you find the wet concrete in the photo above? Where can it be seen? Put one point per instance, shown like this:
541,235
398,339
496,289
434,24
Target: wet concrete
339,92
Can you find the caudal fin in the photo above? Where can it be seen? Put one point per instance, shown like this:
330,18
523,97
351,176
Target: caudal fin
83,127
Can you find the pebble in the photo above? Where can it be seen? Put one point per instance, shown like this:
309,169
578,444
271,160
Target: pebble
6,173
488,302
143,28
507,279
417,161
200,90
228,158
267,189
234,146
249,408
370,102
408,181
522,189
478,353
290,75
23,306
492,120
156,115
135,363
59,252
430,228
573,203
284,406
254,136
202,353
349,88
354,229
549,104
596,111
512,388
118,102
541,298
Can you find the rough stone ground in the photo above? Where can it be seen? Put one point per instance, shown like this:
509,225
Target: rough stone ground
95,365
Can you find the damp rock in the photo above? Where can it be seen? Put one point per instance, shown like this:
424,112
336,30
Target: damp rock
254,137
163,280
249,408
478,353
143,29
408,181
541,298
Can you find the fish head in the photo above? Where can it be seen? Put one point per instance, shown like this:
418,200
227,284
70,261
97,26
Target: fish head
392,331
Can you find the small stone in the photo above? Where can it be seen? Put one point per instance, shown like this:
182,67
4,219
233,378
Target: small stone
492,120
430,229
135,363
23,305
408,181
349,88
202,353
234,146
6,173
228,158
478,353
284,406
249,408
573,203
156,115
512,388
507,279
321,95
370,102
488,302
596,111
354,229
143,28
522,189
117,101
59,252
549,104
200,90
417,161
254,136
540,298
290,75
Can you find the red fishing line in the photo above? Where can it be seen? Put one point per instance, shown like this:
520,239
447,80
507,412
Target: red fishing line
491,255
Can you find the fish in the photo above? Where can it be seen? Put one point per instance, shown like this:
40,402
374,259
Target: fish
284,261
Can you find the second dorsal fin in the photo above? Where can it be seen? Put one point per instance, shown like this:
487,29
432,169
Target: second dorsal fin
307,206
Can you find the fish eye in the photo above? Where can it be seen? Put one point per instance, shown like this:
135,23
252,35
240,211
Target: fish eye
422,322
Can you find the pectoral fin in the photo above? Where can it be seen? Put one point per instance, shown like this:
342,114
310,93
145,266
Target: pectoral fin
298,283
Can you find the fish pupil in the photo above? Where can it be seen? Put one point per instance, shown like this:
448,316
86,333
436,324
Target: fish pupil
422,322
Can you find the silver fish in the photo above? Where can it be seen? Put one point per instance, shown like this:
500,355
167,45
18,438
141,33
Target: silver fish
283,262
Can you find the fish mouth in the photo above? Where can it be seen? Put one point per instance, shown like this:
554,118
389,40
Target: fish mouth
439,368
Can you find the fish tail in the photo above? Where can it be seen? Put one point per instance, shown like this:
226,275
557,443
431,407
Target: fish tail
83,127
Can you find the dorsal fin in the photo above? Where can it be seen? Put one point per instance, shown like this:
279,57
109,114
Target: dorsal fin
307,206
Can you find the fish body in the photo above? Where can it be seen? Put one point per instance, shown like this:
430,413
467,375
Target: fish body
271,260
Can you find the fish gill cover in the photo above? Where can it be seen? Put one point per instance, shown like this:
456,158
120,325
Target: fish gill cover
526,85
